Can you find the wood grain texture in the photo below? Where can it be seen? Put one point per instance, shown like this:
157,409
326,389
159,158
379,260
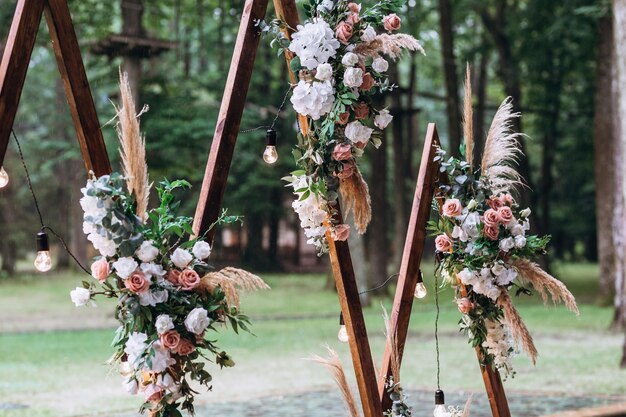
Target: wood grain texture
229,119
15,60
411,256
72,69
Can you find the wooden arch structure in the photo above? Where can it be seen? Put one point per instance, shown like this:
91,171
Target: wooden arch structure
13,69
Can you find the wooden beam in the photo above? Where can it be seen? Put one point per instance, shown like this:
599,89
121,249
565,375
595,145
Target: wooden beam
495,390
343,271
15,60
411,256
77,89
229,119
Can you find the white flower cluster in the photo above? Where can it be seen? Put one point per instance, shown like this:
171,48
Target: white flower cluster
310,213
95,210
313,99
314,43
499,345
489,280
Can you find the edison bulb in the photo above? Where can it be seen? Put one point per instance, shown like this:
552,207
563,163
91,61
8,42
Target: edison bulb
270,155
4,178
440,411
420,290
43,261
342,336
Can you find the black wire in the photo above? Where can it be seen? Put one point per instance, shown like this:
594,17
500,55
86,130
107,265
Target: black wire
280,109
380,286
437,330
32,193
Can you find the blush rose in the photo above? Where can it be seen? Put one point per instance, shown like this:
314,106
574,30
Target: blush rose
189,279
443,243
505,214
342,152
368,82
452,208
362,110
185,347
137,282
170,339
100,269
464,305
173,276
491,218
341,232
491,232
392,22
344,32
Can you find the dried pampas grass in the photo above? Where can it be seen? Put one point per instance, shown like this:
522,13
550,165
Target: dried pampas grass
502,150
133,148
333,364
231,281
544,284
468,118
390,45
519,331
356,197
468,406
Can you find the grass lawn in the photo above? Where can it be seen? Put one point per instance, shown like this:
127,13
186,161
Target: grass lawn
52,355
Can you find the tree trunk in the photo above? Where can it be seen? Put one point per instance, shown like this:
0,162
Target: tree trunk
8,244
399,179
132,14
203,61
274,223
604,141
481,102
453,105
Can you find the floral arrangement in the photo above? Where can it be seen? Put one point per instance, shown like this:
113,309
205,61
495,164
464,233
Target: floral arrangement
169,297
339,56
484,248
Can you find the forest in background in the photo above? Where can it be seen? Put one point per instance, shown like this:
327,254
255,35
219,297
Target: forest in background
544,54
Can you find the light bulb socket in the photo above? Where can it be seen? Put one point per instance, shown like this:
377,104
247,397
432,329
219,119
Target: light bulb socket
42,242
420,277
341,322
439,397
270,137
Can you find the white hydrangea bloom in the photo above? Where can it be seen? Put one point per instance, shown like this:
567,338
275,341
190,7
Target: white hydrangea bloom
313,99
135,346
499,344
152,298
314,43
161,360
382,119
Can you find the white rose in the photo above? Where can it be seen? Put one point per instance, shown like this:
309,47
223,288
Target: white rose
324,72
164,323
80,296
350,59
124,267
520,241
525,213
506,277
369,34
130,385
517,230
357,132
380,65
161,359
353,77
498,269
467,277
382,119
325,6
152,270
135,346
506,244
201,250
197,320
147,252
181,258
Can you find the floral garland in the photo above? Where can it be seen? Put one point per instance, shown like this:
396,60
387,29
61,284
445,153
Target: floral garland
483,245
169,297
339,60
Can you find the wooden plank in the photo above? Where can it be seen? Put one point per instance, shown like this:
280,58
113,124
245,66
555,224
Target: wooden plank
229,119
15,60
411,256
82,108
343,271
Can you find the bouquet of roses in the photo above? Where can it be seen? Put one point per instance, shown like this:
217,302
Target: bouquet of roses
341,60
168,295
483,245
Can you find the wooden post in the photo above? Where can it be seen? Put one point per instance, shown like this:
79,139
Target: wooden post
229,119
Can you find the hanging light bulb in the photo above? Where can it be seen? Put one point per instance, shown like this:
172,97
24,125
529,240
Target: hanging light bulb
43,262
270,155
420,288
440,405
4,178
342,336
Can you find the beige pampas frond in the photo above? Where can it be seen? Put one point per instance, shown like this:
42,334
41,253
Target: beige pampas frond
468,406
468,118
232,281
545,284
390,45
502,150
333,364
519,331
356,197
393,342
133,148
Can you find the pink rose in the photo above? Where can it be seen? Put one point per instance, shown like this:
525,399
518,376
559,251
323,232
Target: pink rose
185,347
392,22
494,203
173,276
353,17
344,32
342,152
506,199
344,117
464,305
361,145
154,393
368,82
354,8
189,279
341,232
362,110
443,243
452,207
506,215
100,269
347,171
137,282
491,218
491,232
170,339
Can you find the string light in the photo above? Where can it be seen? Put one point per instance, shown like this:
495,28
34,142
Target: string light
43,261
420,288
4,178
342,336
440,405
270,155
